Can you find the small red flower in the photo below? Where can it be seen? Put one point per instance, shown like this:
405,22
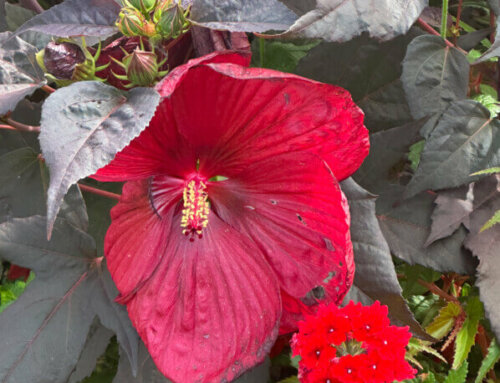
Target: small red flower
370,351
232,207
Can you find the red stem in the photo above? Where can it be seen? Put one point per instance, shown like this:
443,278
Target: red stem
100,192
48,89
436,290
8,127
459,15
21,127
432,31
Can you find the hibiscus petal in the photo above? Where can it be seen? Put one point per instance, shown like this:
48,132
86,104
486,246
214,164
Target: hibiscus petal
212,307
207,310
245,115
292,207
145,155
131,246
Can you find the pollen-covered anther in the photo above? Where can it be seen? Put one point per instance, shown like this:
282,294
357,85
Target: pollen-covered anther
196,208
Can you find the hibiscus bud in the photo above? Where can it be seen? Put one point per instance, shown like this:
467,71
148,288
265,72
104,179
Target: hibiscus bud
141,68
171,20
132,22
65,62
60,59
141,5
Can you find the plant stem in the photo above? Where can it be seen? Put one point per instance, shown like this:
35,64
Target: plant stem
8,127
436,290
22,127
48,89
33,5
100,192
457,23
262,51
432,31
444,19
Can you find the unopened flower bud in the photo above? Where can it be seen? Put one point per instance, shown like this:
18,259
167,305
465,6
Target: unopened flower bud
141,68
143,5
132,22
171,20
65,62
60,59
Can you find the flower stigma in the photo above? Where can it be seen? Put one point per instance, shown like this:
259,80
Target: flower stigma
196,208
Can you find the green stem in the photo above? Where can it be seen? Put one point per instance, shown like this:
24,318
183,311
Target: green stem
262,51
444,19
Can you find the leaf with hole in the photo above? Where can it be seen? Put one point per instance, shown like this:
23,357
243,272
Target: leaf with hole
83,126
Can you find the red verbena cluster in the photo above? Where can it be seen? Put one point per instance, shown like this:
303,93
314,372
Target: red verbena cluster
353,344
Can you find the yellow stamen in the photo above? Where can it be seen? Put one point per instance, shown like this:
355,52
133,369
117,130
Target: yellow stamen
196,208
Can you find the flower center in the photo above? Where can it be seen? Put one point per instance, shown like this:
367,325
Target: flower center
196,208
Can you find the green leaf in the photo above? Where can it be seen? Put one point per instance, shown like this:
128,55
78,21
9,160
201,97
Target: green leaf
10,291
464,141
290,379
489,361
466,336
57,309
430,378
458,376
492,221
415,153
444,322
433,75
280,55
489,103
487,171
98,120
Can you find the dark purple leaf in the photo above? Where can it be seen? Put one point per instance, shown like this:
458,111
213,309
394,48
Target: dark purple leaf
59,306
98,120
485,245
76,18
242,15
341,20
375,275
20,75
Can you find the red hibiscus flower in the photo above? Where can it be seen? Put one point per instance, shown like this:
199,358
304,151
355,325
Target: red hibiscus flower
354,344
232,204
